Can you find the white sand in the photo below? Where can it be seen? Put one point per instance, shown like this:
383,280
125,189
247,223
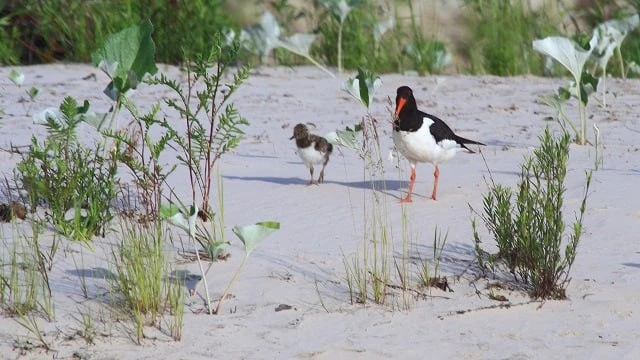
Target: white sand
264,179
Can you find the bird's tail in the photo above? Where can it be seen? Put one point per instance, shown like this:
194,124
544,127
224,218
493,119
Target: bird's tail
463,142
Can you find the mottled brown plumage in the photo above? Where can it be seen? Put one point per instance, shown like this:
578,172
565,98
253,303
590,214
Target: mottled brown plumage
313,150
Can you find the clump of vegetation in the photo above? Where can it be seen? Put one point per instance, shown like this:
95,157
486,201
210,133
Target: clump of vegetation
76,184
574,57
501,33
42,32
338,33
142,282
528,224
214,125
368,274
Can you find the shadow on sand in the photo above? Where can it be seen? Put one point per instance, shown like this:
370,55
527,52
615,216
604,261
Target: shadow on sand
385,186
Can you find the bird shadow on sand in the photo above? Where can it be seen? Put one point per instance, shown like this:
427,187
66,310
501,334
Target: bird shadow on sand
633,265
385,186
95,273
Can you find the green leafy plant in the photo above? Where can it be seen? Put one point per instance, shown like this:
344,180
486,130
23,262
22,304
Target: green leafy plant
573,57
214,125
188,223
346,30
140,268
262,38
427,55
609,36
428,277
250,236
369,272
140,152
18,79
528,225
340,9
41,32
500,32
126,57
76,184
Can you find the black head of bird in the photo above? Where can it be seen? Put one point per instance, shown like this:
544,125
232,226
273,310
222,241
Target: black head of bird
405,102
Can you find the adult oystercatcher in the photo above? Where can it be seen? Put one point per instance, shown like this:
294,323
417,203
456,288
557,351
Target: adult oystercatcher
421,137
313,149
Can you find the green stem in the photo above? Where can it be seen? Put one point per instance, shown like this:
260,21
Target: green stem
233,280
308,57
582,135
604,87
342,20
204,278
622,72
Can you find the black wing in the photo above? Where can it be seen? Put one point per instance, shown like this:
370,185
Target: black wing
441,131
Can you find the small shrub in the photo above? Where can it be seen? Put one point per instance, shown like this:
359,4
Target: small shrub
76,184
529,230
214,125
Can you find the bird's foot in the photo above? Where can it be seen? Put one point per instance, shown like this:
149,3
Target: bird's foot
312,182
406,200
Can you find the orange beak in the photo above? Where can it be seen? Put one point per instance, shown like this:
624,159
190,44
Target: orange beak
401,102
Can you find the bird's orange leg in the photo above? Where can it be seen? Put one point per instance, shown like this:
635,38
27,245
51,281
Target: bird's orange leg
436,175
407,199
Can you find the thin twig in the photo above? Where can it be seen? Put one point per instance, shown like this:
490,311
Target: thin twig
490,307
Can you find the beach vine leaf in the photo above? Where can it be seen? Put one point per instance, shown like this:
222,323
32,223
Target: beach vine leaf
16,77
573,57
126,57
252,235
363,86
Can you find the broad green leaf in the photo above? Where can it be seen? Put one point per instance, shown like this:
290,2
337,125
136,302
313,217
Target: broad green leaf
363,86
16,77
566,52
193,216
564,93
588,85
174,216
168,211
127,57
252,235
347,137
33,92
179,220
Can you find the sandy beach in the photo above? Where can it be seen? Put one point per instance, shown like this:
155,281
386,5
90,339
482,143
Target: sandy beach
302,264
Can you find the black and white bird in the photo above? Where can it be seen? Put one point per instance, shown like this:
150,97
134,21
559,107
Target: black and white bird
313,150
421,137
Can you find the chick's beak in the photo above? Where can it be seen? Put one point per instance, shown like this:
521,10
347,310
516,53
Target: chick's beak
291,138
